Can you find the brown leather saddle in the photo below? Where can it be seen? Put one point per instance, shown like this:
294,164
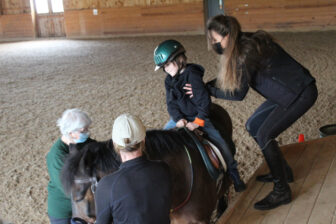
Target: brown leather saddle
211,155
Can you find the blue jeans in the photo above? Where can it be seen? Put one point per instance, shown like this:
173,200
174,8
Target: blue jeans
59,220
216,138
170,125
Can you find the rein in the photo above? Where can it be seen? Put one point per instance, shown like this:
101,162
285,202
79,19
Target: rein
93,187
191,185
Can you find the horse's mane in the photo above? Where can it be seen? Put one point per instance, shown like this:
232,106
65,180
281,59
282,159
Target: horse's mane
100,157
92,158
162,142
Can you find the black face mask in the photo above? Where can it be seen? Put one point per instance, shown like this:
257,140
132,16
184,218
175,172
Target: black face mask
217,47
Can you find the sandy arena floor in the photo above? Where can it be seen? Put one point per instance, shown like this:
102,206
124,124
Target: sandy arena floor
40,79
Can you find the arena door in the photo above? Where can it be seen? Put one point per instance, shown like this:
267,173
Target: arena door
49,18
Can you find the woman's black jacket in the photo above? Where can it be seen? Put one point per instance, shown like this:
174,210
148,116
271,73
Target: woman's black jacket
280,80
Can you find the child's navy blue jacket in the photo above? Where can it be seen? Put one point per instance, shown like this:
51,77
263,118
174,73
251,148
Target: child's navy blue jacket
179,104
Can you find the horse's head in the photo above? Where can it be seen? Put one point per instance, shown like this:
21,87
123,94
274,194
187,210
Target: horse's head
82,170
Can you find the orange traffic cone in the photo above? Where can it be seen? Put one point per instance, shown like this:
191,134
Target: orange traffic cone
301,138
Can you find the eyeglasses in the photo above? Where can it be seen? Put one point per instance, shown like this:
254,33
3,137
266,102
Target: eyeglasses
83,130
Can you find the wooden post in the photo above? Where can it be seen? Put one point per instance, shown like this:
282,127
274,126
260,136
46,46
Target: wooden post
33,14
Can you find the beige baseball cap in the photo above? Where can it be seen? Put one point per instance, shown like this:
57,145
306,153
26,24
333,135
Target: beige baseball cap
127,126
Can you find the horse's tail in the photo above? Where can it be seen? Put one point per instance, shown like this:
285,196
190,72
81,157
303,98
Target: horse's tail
221,120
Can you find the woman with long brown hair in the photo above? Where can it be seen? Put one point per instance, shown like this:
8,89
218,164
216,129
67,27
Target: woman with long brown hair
255,60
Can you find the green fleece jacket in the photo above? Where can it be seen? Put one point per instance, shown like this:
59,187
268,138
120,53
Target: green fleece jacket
59,205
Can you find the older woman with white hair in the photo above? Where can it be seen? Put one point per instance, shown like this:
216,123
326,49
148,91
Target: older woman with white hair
74,126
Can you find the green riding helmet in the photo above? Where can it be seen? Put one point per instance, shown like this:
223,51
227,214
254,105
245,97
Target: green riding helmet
167,51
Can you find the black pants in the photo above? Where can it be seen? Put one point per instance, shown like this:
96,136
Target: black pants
270,119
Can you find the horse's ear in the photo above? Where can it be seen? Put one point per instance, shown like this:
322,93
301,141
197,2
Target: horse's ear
109,144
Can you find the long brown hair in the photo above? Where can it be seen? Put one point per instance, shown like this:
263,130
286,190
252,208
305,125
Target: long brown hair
241,51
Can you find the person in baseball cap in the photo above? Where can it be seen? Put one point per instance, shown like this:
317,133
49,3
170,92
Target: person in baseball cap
128,131
131,193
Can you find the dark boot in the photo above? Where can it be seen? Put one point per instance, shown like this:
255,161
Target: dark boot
269,178
281,193
238,184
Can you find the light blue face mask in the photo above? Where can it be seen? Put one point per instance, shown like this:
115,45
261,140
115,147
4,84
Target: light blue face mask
82,137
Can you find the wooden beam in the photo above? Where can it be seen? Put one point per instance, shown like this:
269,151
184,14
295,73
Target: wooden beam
184,17
283,15
89,4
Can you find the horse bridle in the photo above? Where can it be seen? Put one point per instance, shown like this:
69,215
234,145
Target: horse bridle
93,187
92,180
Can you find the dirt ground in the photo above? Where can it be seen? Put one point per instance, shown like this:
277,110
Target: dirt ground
40,79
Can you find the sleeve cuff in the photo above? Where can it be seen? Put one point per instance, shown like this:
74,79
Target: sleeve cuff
199,121
177,119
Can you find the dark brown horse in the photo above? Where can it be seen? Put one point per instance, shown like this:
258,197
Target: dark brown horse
194,193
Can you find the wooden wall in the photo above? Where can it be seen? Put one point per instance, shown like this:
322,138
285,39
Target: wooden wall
15,6
132,17
287,15
16,19
120,17
90,4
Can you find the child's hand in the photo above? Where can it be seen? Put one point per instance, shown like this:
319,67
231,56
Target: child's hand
192,126
181,123
188,89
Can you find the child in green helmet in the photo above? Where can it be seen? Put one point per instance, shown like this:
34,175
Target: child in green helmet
191,112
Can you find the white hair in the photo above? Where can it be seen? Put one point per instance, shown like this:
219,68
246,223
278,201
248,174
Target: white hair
73,120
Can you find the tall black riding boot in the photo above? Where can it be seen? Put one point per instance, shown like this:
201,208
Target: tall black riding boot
281,193
269,178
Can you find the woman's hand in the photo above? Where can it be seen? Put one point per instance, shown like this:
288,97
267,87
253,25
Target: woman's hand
211,87
181,123
189,92
192,126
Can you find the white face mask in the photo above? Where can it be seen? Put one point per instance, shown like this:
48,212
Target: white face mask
83,136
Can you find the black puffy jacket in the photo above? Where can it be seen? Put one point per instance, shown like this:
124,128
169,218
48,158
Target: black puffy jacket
179,104
281,80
